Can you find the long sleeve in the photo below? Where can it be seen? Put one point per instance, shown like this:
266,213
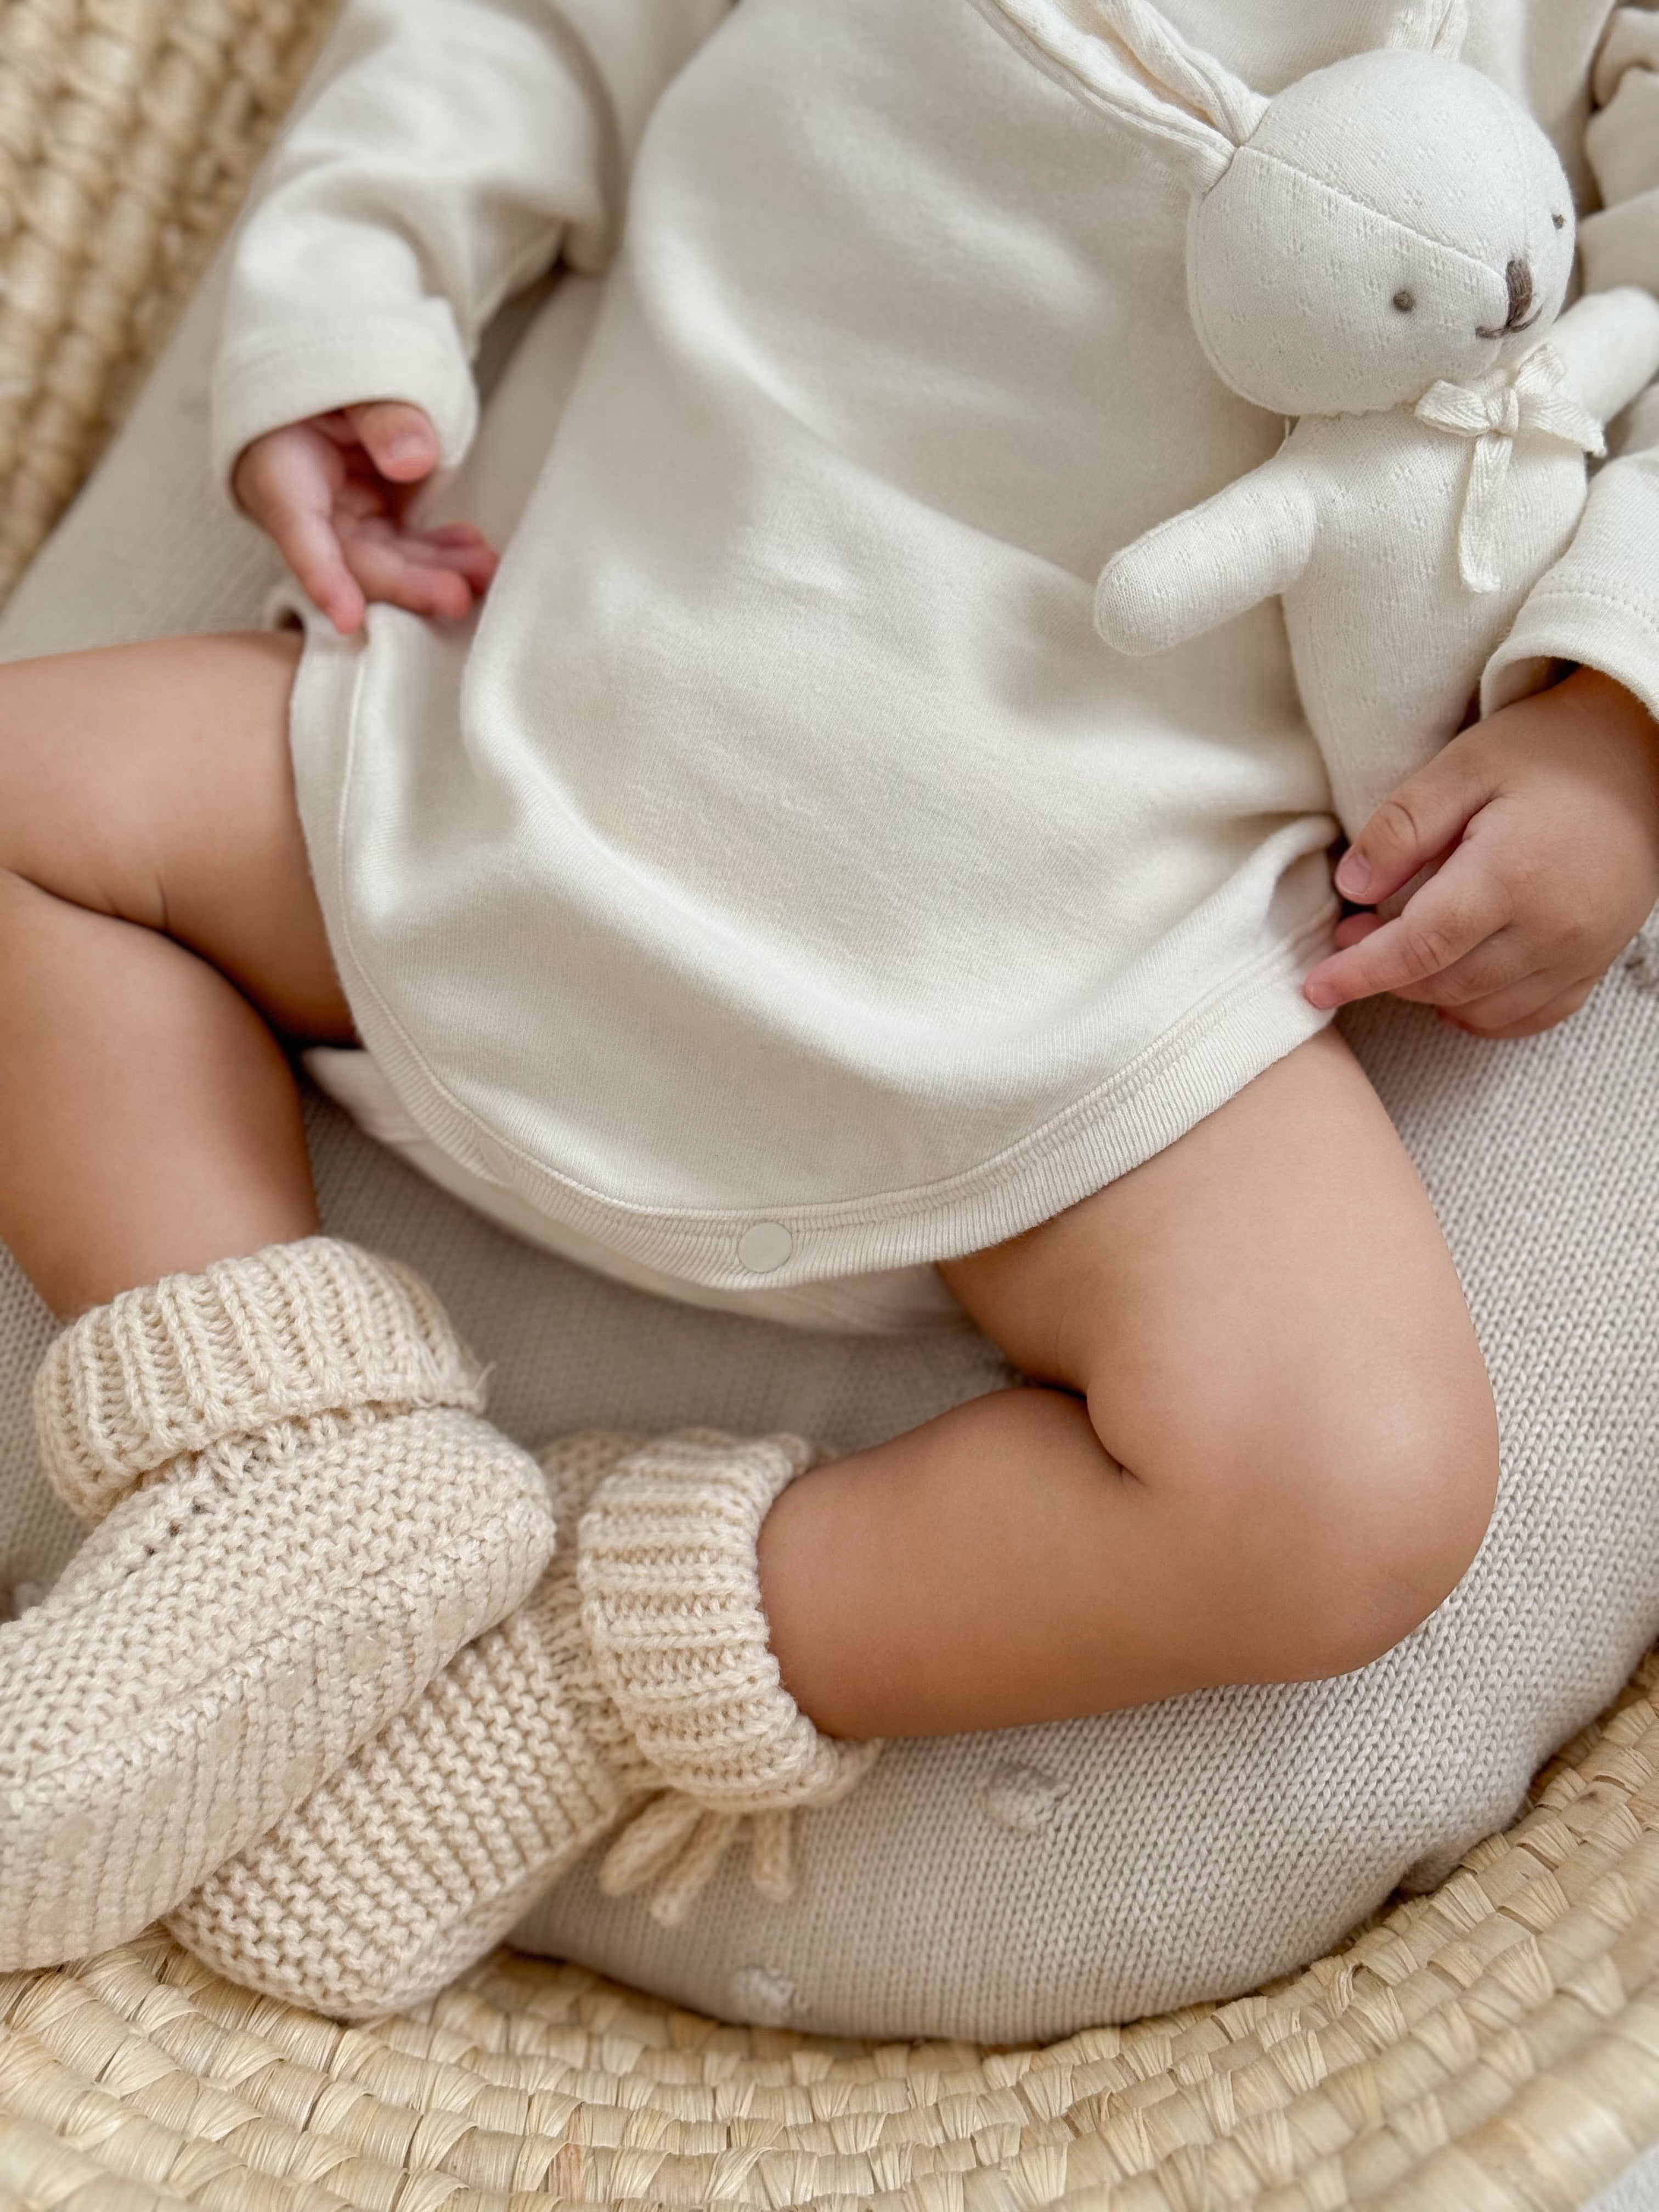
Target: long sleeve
450,150
1600,603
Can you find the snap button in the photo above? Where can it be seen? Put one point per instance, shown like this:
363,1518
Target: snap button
765,1247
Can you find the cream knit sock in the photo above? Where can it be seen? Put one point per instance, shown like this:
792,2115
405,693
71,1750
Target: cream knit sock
300,1518
640,1666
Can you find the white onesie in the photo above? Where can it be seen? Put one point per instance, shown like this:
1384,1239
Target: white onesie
779,881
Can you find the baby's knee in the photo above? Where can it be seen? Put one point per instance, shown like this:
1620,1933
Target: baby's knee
1334,1553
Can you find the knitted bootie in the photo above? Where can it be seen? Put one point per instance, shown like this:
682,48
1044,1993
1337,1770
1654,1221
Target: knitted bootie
639,1667
298,1519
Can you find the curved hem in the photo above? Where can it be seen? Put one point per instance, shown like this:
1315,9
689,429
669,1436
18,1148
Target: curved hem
1238,1029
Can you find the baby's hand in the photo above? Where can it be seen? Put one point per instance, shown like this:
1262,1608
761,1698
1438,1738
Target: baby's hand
333,491
1545,822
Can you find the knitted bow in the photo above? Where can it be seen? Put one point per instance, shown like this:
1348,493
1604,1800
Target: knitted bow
673,1845
1494,410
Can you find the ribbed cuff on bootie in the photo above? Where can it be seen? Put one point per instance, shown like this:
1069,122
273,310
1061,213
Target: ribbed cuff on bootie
424,1849
671,1603
300,1518
194,1360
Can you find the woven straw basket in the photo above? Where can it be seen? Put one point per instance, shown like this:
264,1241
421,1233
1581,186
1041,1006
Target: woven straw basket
1492,2048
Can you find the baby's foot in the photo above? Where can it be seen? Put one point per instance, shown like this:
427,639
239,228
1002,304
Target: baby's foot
637,1675
300,1518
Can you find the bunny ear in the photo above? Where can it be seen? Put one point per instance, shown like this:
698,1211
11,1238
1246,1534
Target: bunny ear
1121,56
1176,66
1433,26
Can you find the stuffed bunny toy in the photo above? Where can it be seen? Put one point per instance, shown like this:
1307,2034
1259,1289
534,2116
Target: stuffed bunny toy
1377,251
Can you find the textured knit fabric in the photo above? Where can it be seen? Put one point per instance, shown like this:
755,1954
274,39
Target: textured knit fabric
671,1603
299,1517
1002,1888
638,1668
779,880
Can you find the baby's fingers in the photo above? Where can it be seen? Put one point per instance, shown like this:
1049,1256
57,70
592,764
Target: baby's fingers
1453,912
398,438
464,547
401,573
286,482
307,541
1414,826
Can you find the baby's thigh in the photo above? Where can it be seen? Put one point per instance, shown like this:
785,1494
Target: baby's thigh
153,782
1271,1340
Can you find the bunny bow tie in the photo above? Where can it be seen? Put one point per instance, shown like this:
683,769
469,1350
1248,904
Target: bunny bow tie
1493,412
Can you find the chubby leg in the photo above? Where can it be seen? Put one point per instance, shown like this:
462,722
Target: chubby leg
1262,1446
1259,1445
157,924
297,1515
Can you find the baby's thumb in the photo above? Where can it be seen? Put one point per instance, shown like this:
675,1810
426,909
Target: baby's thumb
1414,826
398,438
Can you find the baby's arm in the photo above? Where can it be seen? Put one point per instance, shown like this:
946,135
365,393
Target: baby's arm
1545,819
451,149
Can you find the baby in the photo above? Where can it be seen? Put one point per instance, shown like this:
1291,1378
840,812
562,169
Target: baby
765,875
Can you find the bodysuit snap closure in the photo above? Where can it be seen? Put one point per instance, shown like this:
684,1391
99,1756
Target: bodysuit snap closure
764,1247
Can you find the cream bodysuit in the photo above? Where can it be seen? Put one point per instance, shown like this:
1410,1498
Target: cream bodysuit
779,881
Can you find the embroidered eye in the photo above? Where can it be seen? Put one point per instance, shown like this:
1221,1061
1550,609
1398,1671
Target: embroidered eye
1405,298
1559,221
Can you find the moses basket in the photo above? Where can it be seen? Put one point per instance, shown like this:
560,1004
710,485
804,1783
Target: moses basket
1492,2044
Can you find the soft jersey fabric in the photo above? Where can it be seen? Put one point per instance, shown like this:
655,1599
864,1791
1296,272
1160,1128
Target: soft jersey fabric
779,880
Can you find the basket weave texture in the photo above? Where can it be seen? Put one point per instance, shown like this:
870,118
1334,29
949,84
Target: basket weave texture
1494,2048
128,132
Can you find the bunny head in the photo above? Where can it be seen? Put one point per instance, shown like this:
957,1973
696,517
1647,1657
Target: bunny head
1385,222
1392,220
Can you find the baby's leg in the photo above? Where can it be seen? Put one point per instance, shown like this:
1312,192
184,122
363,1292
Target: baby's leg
156,919
1264,1448
297,1517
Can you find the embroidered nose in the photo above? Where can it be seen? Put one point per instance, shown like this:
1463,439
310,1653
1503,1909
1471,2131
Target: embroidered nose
1518,277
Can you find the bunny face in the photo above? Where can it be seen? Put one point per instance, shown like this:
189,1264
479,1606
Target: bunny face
1392,220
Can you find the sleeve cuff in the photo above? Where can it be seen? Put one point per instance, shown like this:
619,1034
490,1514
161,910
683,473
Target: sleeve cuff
1579,627
1599,605
260,383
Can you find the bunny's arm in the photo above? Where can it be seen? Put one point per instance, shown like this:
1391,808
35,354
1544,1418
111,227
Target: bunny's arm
1218,559
1609,344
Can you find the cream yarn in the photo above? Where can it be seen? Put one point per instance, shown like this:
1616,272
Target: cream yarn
671,1604
299,1518
640,1661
